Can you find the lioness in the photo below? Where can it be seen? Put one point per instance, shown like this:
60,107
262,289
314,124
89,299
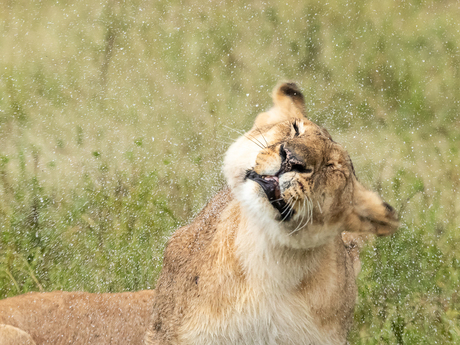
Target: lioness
264,262
60,317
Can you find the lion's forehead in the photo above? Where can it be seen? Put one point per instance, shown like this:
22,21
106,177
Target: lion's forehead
314,143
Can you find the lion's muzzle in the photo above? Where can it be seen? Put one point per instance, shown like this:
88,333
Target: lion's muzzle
271,187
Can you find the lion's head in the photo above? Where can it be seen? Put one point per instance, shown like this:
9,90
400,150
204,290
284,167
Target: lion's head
291,176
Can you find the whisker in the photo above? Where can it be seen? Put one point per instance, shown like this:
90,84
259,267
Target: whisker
303,215
288,208
254,142
320,209
311,210
282,220
308,208
221,137
310,214
262,135
288,204
235,130
300,223
253,137
292,232
289,201
247,137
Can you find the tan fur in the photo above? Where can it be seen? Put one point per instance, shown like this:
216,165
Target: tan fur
10,335
354,242
245,272
75,318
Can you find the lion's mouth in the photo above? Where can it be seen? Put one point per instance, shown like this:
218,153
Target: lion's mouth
271,187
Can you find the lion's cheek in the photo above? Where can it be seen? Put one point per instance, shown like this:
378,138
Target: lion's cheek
253,196
295,188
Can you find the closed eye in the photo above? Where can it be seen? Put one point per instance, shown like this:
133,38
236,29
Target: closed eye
296,128
301,169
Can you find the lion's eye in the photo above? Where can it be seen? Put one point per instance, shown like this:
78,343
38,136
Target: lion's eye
301,169
296,129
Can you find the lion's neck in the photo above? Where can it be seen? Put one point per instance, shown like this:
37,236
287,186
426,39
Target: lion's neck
277,266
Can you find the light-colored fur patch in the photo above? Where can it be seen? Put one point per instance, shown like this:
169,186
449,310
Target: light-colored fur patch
10,335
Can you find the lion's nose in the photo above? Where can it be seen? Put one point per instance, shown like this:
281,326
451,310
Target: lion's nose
289,161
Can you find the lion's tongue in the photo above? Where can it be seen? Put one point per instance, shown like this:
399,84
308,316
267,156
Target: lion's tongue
270,184
272,189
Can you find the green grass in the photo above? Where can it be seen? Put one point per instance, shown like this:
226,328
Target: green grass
113,123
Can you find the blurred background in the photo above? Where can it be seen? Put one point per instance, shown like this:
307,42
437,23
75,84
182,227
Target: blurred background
114,118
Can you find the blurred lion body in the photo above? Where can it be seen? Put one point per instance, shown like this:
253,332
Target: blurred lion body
60,317
10,335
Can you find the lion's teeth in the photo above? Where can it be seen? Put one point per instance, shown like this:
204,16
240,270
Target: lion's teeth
271,178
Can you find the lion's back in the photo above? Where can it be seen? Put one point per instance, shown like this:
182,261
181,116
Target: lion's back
78,317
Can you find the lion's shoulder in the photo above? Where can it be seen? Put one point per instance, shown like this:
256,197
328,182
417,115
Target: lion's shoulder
194,236
184,265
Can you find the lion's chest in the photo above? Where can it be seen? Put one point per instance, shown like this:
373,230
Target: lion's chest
262,319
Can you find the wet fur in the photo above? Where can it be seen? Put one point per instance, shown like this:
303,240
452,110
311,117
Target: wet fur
240,274
75,318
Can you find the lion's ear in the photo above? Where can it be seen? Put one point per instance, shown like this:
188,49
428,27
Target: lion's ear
370,213
288,103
